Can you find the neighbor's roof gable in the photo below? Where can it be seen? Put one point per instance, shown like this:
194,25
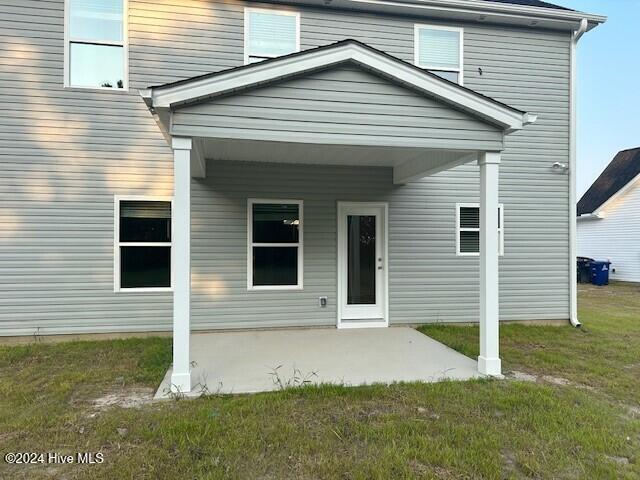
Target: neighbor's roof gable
622,170
229,82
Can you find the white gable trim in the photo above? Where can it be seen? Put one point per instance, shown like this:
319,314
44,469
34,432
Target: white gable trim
600,211
267,72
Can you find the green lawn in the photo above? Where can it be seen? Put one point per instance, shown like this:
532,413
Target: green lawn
580,419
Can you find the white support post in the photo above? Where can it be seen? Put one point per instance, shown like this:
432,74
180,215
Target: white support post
181,263
489,359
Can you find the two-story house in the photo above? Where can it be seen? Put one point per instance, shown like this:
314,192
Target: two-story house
227,164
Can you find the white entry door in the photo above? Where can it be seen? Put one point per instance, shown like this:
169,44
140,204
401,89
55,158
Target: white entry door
362,265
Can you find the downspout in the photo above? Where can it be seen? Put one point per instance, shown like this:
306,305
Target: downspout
573,277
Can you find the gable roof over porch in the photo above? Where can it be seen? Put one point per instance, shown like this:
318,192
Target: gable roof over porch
342,103
338,104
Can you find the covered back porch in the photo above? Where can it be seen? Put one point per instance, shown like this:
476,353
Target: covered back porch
342,105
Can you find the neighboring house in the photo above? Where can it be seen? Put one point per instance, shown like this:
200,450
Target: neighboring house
209,164
609,217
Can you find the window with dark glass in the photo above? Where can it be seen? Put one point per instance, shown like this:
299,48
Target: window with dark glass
96,44
361,259
275,244
144,244
469,230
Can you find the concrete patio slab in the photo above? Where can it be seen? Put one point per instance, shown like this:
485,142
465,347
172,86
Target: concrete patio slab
254,361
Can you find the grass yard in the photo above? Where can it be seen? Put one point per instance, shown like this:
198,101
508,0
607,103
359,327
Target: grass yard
576,416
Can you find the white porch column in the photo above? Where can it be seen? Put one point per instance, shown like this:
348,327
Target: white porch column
489,359
181,263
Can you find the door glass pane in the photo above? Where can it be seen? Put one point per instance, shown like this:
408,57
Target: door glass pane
96,66
275,223
361,259
275,266
145,267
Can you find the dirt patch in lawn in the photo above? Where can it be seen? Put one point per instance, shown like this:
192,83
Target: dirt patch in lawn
529,377
133,397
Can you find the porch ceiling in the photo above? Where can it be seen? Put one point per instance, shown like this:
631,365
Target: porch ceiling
404,160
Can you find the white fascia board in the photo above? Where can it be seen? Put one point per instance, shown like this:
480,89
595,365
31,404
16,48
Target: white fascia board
443,90
601,209
590,216
514,9
147,96
262,73
465,10
251,75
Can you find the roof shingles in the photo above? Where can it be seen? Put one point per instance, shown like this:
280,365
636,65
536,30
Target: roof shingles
531,3
624,167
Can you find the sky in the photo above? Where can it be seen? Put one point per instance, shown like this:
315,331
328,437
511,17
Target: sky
608,86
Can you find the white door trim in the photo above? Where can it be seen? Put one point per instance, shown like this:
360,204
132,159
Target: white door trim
341,257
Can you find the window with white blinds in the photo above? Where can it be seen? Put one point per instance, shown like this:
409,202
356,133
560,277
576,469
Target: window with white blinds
439,50
270,33
468,229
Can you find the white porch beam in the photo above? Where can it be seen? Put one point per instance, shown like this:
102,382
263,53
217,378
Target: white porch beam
430,164
489,360
181,263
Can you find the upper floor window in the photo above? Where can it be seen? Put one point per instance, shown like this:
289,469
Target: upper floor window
270,33
95,44
439,50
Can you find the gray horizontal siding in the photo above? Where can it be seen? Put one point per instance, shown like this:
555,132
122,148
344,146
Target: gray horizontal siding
64,153
341,114
221,200
427,283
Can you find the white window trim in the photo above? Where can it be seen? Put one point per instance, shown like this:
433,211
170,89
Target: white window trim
248,10
251,244
124,44
117,244
416,49
459,229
